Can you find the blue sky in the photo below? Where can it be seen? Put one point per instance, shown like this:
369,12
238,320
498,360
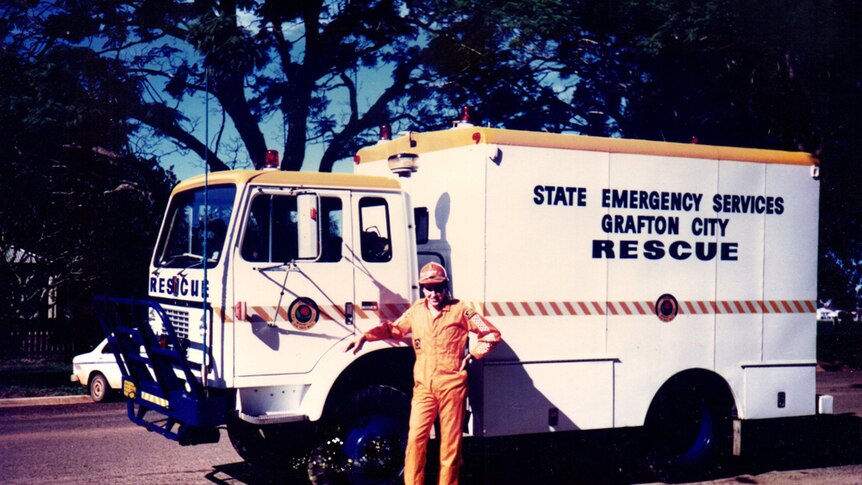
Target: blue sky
186,163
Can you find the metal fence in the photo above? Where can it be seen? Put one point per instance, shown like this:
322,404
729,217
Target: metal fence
44,338
40,342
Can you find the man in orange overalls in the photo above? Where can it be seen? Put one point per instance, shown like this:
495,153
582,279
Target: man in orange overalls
438,327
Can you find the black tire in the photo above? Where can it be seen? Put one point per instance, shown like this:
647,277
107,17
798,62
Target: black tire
98,387
249,441
282,449
690,433
366,446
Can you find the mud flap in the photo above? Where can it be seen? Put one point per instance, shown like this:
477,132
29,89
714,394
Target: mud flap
737,437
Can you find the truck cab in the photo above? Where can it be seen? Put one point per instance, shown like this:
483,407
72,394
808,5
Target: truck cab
257,281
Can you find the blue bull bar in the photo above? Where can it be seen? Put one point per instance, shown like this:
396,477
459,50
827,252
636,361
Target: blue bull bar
156,374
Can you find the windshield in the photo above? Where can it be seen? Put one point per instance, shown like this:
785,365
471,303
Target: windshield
182,242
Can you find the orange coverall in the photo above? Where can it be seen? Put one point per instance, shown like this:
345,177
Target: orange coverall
440,387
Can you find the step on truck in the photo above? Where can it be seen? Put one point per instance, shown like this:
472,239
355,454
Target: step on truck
636,284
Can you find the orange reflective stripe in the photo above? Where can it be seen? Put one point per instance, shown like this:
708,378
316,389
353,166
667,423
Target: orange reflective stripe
633,308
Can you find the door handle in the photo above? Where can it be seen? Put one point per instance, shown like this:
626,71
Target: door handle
348,313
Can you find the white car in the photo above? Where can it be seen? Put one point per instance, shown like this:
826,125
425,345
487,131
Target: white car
98,371
837,316
824,313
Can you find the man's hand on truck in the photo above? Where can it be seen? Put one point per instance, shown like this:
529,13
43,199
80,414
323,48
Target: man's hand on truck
357,343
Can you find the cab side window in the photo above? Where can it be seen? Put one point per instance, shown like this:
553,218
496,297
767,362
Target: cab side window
375,241
271,234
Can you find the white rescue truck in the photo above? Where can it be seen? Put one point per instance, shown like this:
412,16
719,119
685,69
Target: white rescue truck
635,283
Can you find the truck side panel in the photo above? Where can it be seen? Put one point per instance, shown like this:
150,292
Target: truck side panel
651,350
534,256
739,335
453,191
625,269
541,395
783,385
791,264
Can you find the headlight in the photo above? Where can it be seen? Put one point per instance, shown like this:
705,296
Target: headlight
155,321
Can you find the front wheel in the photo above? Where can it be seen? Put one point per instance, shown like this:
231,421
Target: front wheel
281,448
250,442
368,443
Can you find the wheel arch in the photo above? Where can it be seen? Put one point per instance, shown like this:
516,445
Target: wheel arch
391,367
689,427
106,389
694,381
92,374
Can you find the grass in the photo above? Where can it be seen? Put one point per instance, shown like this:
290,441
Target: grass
37,377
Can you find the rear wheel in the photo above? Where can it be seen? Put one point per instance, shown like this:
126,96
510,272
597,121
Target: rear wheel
367,444
690,429
98,387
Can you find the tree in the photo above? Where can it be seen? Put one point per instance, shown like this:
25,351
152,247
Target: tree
333,71
79,212
766,74
541,65
295,59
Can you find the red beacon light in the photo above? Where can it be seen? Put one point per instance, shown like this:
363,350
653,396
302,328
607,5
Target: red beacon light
271,160
385,132
464,122
384,136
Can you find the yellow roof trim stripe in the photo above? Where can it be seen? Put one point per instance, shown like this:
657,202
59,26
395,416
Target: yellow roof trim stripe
291,179
419,143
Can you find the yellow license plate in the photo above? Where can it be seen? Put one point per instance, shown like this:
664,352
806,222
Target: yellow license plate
129,389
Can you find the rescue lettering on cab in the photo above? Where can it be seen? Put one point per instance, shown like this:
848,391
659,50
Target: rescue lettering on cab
178,287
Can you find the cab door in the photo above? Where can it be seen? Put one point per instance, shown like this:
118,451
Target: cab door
385,261
288,312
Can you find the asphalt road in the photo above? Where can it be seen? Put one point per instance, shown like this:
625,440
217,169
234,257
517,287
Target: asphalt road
97,444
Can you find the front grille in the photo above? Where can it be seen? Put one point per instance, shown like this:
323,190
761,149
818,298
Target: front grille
180,322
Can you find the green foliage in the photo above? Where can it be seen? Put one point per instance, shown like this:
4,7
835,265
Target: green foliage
539,65
79,214
768,74
37,377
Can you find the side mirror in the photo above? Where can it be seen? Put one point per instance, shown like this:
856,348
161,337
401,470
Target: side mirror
308,226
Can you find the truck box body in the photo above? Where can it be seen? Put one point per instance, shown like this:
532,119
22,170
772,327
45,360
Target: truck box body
567,243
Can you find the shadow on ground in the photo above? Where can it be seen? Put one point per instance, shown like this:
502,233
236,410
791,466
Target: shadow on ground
618,456
800,443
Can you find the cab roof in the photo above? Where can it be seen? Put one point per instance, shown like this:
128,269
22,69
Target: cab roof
290,179
418,143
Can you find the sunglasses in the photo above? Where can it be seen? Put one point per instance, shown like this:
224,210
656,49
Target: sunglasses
438,288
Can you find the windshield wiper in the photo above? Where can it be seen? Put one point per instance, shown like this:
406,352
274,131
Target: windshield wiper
290,265
170,260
